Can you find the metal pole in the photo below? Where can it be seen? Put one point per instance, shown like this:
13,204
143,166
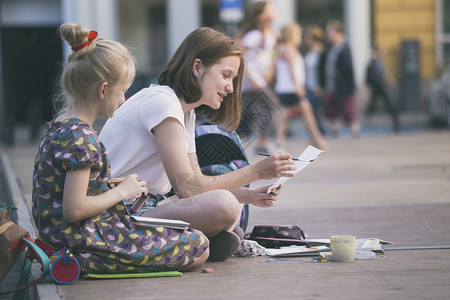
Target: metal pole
2,98
418,248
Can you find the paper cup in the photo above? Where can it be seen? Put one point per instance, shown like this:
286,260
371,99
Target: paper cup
343,247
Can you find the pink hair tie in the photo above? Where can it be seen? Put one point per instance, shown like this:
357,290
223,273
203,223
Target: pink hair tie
91,36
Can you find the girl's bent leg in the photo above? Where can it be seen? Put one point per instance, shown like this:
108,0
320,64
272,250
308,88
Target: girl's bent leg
210,212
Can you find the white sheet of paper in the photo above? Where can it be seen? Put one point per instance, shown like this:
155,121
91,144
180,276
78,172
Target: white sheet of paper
296,251
310,153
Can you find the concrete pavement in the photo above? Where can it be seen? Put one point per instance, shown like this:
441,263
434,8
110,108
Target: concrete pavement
392,187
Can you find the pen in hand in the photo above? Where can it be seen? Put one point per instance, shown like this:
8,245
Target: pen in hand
295,159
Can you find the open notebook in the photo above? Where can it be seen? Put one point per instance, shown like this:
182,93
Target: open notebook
307,157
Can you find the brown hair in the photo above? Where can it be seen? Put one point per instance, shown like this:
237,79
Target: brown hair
336,25
209,46
315,33
96,62
252,14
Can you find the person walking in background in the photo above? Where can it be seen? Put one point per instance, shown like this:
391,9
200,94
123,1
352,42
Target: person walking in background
290,85
314,91
260,104
339,81
72,202
379,79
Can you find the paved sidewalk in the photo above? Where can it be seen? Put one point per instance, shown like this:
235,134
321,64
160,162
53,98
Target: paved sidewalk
392,187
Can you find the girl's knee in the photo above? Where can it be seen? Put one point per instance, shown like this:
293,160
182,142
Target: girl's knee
226,205
305,106
198,263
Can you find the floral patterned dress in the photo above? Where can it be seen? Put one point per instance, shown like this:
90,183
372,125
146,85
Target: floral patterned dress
108,242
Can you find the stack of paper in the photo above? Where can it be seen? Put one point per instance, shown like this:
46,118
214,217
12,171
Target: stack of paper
366,248
296,251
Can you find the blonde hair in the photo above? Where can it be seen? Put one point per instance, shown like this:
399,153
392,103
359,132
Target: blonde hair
289,31
89,65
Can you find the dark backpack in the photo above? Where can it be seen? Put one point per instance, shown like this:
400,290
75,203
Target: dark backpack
374,73
220,151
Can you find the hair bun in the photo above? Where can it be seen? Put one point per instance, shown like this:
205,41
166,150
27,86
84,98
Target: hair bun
74,34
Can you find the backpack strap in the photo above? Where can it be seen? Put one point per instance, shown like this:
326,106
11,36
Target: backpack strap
34,252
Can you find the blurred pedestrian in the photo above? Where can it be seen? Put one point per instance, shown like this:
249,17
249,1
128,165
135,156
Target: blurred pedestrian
314,91
260,104
290,85
379,81
339,81
73,204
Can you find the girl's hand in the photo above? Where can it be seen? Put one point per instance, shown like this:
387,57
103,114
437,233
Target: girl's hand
131,188
262,199
77,206
275,166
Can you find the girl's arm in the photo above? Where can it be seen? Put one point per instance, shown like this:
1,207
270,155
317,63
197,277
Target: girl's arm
257,80
291,56
268,76
184,172
77,206
389,78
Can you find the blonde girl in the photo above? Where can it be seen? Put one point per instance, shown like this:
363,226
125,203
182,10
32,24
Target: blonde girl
290,85
73,205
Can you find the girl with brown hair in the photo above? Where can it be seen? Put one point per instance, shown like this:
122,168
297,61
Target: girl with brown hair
152,134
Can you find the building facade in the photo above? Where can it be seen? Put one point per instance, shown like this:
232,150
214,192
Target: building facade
153,29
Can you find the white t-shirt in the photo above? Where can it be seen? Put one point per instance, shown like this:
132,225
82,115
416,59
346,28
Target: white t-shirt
286,82
258,57
129,140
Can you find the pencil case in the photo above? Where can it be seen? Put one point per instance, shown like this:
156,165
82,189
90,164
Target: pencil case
275,236
65,268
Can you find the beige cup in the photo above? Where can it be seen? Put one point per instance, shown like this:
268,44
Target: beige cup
343,247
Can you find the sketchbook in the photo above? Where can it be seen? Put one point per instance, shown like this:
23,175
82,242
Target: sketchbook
169,223
308,156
